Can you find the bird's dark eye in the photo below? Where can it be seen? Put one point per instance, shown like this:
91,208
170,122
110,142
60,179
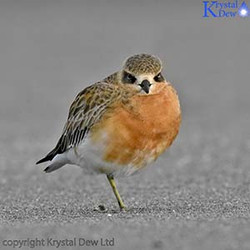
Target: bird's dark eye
159,78
128,78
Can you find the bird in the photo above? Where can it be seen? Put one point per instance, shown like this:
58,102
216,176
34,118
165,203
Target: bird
121,124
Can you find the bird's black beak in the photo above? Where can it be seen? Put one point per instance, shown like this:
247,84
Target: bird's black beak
145,85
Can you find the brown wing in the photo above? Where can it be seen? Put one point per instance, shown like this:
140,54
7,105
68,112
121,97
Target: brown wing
86,110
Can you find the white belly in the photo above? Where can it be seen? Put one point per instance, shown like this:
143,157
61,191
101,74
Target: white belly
89,157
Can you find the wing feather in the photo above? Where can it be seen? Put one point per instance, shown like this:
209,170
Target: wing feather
86,110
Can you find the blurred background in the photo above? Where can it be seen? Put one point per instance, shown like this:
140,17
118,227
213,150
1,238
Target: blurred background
51,49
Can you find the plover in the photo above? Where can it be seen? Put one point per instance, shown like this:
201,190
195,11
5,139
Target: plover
119,125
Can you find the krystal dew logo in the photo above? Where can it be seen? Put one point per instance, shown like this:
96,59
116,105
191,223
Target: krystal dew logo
216,9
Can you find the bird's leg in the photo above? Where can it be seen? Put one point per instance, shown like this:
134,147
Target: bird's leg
117,195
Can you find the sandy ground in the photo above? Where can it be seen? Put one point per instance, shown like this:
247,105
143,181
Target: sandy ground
196,196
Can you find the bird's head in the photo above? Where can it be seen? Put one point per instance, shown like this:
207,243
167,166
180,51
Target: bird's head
142,72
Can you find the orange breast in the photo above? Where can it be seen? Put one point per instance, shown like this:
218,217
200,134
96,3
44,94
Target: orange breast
138,132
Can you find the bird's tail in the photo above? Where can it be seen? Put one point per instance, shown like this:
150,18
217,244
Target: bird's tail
58,161
56,151
54,166
48,157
